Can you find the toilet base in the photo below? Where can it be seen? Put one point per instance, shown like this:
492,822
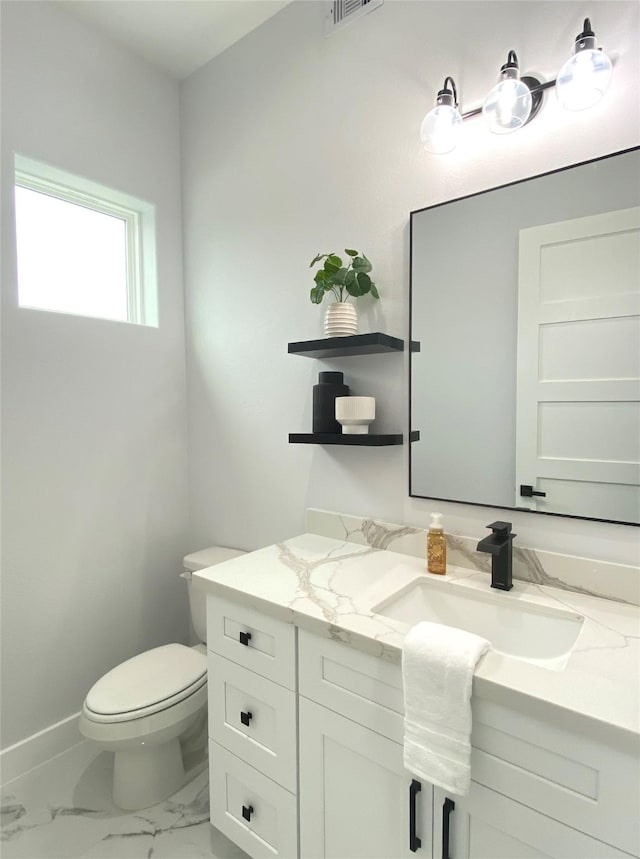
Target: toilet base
145,776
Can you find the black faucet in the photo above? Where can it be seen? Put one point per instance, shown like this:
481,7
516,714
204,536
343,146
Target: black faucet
499,545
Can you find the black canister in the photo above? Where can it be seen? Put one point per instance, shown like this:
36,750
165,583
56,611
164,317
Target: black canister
330,385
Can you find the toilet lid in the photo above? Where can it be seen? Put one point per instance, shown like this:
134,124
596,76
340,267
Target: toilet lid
151,680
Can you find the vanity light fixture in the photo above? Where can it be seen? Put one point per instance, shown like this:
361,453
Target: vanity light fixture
585,77
510,103
441,126
515,100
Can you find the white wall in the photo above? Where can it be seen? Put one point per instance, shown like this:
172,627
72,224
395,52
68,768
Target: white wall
293,144
94,429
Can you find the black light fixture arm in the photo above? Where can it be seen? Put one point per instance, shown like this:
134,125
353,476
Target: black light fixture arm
587,38
451,86
448,94
587,29
512,61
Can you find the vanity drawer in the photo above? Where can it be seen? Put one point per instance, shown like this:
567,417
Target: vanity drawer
252,639
358,685
239,792
254,718
571,778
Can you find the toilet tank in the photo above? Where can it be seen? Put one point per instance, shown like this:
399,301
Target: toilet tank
197,596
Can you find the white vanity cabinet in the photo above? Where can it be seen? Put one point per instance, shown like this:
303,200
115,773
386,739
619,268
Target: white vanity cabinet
539,787
252,729
355,794
318,771
357,801
488,825
543,780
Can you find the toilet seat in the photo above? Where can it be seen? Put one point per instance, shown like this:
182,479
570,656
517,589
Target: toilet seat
146,684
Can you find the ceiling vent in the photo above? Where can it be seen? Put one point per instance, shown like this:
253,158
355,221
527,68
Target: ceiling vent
343,12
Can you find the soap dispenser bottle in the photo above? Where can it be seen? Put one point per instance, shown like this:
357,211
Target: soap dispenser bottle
436,546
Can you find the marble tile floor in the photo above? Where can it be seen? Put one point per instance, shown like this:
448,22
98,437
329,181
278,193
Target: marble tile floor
63,810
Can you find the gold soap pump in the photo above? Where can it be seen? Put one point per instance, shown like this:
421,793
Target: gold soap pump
436,546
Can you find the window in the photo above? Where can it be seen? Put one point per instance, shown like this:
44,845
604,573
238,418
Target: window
83,248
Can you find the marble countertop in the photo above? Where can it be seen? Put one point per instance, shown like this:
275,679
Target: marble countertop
330,587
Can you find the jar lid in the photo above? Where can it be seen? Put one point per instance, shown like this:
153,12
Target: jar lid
331,377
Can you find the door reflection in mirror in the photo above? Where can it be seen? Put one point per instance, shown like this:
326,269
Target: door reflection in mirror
526,302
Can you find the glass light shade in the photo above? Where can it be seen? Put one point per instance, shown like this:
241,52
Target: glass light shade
440,129
508,105
583,79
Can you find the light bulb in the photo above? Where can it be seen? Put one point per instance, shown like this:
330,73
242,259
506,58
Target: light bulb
508,105
441,126
585,77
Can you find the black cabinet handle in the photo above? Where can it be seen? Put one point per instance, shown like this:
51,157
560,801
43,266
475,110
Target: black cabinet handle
414,842
528,492
245,638
247,811
447,807
245,718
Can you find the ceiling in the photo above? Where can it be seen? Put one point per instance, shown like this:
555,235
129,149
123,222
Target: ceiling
179,36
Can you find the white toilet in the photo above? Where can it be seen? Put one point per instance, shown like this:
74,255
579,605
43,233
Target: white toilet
143,708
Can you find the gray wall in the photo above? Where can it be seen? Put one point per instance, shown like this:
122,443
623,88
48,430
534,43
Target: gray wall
93,412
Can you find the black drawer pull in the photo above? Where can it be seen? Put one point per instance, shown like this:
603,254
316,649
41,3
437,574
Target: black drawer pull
414,842
245,718
245,638
247,811
447,808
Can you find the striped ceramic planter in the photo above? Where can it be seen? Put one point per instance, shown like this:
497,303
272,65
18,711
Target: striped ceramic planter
341,320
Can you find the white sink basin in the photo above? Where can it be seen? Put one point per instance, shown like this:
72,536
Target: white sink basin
514,627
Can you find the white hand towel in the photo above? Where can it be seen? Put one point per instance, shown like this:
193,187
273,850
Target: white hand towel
437,671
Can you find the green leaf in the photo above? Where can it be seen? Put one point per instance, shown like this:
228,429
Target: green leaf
349,277
321,275
350,252
362,264
374,291
362,284
317,258
356,288
339,277
317,294
332,263
353,289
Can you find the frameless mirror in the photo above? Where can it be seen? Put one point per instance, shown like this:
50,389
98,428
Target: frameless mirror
525,322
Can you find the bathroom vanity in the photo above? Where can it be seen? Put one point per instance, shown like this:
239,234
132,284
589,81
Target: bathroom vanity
306,712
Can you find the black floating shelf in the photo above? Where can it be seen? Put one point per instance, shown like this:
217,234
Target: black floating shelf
341,347
365,440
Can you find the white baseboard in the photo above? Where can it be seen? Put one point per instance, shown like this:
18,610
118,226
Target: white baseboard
35,750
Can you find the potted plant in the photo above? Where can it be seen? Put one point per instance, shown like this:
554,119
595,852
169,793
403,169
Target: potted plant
343,282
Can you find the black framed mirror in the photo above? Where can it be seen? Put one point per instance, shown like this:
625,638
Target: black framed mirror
525,319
